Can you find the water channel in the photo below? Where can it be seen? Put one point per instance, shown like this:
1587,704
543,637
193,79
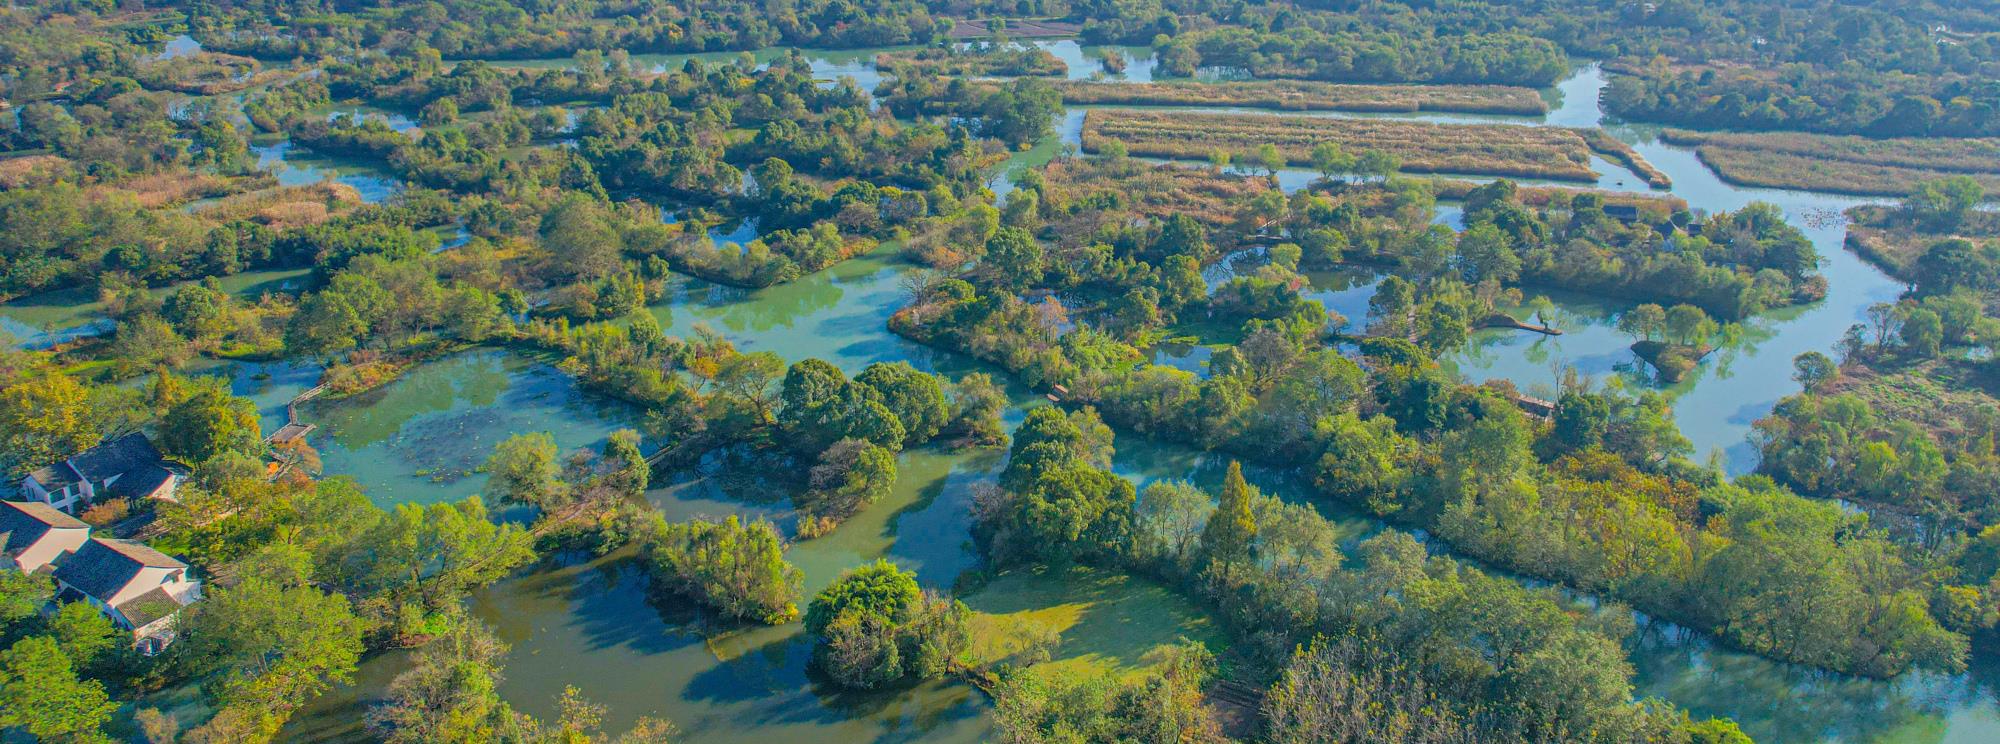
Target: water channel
587,622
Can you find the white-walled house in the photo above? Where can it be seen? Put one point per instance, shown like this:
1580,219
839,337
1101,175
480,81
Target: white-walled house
141,589
126,467
34,535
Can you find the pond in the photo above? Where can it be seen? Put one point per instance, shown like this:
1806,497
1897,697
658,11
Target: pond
588,622
42,320
424,437
295,167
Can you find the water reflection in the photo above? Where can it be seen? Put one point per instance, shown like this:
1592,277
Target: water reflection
423,437
294,168
59,316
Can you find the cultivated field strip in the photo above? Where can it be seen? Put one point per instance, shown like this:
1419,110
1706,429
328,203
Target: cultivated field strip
1469,149
1303,95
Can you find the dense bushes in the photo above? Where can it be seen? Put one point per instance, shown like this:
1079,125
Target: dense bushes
1273,572
737,569
875,627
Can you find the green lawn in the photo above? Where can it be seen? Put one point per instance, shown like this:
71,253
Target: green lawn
1106,621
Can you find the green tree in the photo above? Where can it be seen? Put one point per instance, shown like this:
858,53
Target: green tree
1168,523
1363,461
449,692
1231,528
424,558
1813,369
1486,253
820,406
43,419
976,407
1378,163
1922,332
208,423
874,626
626,469
22,597
582,238
1943,203
1330,160
439,113
1644,321
1687,324
915,397
524,471
1013,259
1270,159
850,475
262,651
41,694
85,634
737,569
1218,159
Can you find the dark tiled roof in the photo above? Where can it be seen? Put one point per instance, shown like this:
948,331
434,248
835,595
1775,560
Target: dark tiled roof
25,522
117,457
140,482
104,566
145,608
55,477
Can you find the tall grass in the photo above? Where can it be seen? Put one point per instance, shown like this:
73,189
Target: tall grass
1301,95
1469,149
1841,164
1615,149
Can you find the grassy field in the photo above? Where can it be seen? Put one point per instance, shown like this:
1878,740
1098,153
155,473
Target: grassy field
1301,95
1469,149
1091,621
1842,165
1884,237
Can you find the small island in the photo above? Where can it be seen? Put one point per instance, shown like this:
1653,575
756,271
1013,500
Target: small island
1672,340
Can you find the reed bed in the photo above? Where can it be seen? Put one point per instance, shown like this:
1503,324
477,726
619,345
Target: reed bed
1888,238
1305,95
1156,191
1033,62
1018,28
1470,149
286,206
1840,164
1654,206
1779,170
1616,150
1939,154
